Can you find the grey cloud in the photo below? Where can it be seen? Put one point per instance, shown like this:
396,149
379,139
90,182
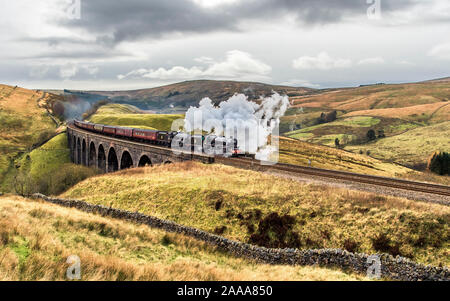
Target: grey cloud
77,54
116,21
55,41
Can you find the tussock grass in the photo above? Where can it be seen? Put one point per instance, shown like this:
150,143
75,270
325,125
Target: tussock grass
37,238
189,193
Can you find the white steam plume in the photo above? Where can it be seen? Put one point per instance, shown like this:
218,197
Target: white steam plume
250,123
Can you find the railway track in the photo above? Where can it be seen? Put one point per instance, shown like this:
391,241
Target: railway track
248,163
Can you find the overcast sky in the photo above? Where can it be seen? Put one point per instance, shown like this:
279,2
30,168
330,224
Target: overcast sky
117,45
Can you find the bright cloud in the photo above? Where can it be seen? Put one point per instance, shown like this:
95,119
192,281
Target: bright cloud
237,64
68,71
323,61
441,51
371,61
300,83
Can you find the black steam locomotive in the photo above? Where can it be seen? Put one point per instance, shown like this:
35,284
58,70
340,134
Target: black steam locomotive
210,144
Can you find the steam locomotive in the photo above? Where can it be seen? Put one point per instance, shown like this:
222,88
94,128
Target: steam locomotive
210,144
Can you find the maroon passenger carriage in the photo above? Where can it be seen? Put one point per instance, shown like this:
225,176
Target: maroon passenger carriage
165,138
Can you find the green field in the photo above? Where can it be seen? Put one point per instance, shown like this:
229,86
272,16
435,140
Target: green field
128,116
47,158
350,130
275,212
411,147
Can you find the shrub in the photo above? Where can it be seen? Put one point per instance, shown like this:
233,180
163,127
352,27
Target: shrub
382,243
439,163
58,109
327,117
67,176
166,240
336,142
276,231
4,237
220,230
371,135
351,245
43,137
53,183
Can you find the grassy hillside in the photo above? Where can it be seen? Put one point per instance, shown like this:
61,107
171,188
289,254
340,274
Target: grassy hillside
351,130
46,169
276,212
411,147
296,152
291,151
24,121
378,97
182,95
47,158
425,113
395,110
128,116
37,238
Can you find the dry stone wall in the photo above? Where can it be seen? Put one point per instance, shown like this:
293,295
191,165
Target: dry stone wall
397,268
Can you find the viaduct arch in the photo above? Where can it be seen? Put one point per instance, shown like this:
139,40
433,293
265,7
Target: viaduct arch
110,154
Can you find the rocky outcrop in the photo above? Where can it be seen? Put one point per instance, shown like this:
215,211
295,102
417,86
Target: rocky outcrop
398,268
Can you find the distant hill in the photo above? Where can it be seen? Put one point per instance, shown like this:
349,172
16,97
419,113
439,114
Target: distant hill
439,80
179,96
391,110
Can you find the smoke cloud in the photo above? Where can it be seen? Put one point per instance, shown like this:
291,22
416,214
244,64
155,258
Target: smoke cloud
247,121
75,109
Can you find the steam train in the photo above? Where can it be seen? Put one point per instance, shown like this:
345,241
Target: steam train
210,145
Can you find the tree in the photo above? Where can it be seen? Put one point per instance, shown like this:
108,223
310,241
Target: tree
327,117
321,118
439,163
331,116
336,142
58,109
371,135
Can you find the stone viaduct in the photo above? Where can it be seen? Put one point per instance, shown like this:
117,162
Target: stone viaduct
110,154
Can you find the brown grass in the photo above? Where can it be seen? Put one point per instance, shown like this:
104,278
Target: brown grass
37,238
325,217
409,112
